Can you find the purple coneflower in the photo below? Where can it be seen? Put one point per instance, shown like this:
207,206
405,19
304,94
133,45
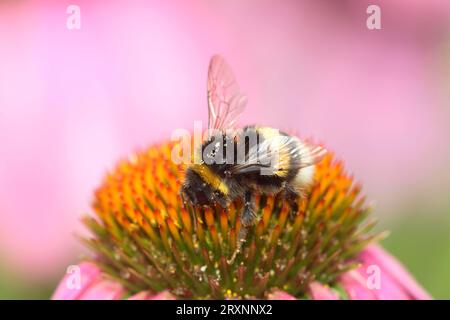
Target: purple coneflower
147,245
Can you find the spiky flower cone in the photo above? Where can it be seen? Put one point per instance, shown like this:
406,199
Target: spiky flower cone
145,240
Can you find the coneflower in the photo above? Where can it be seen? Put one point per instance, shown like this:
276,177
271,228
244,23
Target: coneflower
146,244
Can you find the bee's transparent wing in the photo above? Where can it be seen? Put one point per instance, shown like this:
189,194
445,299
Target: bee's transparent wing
225,100
279,154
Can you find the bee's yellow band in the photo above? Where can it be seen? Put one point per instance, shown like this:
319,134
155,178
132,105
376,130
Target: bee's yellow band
211,178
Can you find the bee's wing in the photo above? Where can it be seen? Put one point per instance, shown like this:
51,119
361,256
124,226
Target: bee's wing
225,101
280,153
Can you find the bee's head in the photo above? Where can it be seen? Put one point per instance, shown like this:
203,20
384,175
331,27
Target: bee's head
197,192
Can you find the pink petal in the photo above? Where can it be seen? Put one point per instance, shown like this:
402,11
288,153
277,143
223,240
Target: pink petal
89,273
355,286
143,295
376,255
103,290
395,282
92,286
280,295
320,292
147,295
163,295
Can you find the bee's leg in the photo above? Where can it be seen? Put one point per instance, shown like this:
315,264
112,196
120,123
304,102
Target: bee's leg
194,217
248,217
292,198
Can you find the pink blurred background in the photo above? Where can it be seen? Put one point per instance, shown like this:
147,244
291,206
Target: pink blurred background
73,102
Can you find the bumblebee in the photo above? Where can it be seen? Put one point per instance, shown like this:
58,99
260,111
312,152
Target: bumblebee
240,163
